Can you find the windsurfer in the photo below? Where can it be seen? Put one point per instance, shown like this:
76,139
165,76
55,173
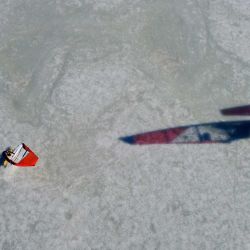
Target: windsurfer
6,154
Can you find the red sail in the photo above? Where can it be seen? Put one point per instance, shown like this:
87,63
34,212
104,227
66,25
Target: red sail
29,160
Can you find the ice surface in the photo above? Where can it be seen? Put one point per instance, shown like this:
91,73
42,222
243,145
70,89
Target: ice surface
75,76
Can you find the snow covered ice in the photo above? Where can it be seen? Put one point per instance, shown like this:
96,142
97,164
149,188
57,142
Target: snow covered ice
75,76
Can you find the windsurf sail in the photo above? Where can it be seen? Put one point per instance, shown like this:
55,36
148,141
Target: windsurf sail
217,132
240,110
22,156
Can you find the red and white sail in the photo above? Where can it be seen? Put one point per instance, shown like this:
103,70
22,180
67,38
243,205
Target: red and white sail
22,156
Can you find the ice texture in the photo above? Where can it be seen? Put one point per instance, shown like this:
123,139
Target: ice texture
77,75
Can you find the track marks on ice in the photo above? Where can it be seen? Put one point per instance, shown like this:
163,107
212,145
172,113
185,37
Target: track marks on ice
31,100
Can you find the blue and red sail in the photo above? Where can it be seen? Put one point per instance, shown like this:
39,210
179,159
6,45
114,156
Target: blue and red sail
215,132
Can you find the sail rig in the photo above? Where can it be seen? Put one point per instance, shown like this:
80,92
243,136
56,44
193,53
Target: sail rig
22,156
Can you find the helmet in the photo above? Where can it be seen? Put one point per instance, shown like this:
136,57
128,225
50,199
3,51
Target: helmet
9,151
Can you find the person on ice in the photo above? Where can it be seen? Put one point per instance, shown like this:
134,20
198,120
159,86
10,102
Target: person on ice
6,154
